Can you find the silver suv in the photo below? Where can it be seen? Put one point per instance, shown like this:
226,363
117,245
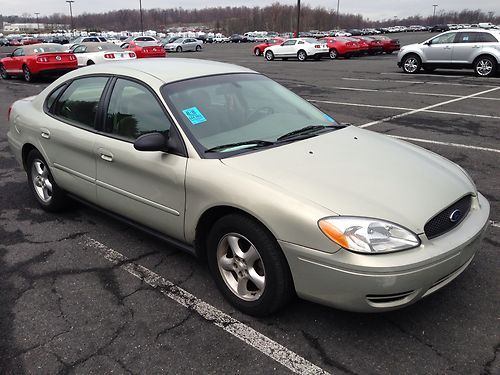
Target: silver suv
476,49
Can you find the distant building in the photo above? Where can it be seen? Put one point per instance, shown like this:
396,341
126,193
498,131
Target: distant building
20,27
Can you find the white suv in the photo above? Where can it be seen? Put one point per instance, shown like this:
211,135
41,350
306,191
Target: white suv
462,49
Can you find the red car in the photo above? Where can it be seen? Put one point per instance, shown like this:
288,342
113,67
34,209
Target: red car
26,41
259,48
145,49
374,45
341,47
37,59
389,45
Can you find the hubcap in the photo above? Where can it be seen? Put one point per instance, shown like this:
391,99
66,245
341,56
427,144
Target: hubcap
302,56
484,67
411,65
333,54
27,74
269,56
257,52
40,178
241,267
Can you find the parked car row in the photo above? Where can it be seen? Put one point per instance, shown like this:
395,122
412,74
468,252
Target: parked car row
346,47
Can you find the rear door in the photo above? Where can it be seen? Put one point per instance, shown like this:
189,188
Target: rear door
68,134
466,47
440,49
146,187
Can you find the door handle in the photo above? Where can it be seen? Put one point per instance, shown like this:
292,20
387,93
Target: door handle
476,46
44,133
107,157
447,47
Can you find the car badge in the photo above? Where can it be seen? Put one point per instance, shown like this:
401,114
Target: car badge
455,216
154,49
58,58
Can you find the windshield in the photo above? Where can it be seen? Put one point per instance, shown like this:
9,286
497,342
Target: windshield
104,47
237,108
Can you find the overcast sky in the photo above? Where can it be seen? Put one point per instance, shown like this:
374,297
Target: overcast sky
374,9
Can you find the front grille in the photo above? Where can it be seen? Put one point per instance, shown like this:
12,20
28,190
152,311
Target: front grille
442,223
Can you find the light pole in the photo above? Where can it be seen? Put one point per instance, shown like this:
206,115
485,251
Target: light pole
298,18
338,7
434,14
71,13
140,11
37,24
491,15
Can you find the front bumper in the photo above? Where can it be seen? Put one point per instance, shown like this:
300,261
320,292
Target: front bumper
373,283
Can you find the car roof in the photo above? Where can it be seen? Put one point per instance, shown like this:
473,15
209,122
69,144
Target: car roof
165,69
31,48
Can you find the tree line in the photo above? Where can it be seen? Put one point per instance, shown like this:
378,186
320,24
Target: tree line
276,17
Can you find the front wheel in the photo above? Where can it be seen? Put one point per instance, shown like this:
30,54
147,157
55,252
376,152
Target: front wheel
3,72
269,56
179,49
485,66
198,48
302,55
47,193
248,265
411,64
333,54
256,52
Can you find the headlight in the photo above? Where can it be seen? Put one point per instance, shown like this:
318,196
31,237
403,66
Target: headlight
368,236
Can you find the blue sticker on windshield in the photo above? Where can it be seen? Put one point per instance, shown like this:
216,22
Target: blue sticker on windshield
328,117
194,115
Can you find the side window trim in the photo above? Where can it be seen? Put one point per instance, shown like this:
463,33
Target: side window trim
48,110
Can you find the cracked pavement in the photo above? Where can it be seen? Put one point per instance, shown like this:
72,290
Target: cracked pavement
65,309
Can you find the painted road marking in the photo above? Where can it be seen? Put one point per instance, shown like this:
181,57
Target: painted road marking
445,143
248,335
404,109
416,82
495,224
422,75
412,112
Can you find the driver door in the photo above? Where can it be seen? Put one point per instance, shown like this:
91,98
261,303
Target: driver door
13,64
440,49
145,187
287,48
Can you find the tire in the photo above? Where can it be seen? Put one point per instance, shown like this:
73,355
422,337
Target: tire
49,196
302,55
389,52
28,76
269,55
198,48
178,49
256,52
411,64
333,54
3,73
485,66
235,267
90,62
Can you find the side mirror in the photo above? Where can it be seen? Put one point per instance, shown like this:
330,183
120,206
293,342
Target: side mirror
428,43
151,142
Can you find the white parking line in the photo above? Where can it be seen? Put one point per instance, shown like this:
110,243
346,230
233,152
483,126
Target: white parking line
495,224
248,335
404,109
421,75
416,82
445,143
427,108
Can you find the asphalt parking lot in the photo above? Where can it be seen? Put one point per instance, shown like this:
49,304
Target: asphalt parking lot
83,293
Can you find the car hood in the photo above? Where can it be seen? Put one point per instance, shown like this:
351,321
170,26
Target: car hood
355,172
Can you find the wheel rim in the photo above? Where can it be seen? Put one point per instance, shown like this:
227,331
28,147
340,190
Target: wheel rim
241,267
333,54
302,56
40,179
411,65
27,74
257,52
269,56
484,67
3,72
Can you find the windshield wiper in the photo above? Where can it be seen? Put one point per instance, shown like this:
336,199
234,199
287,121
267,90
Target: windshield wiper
308,130
254,143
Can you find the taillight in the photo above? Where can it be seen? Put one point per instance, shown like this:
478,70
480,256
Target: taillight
42,59
131,54
317,46
8,113
109,55
71,57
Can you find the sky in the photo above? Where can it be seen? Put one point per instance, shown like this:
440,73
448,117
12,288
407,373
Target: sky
373,9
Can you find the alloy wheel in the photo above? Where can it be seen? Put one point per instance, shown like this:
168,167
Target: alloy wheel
484,67
41,182
411,65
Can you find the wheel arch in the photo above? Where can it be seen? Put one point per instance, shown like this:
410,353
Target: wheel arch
27,148
486,54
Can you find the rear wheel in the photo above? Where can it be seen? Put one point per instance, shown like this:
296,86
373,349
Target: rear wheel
333,54
411,64
248,265
302,55
198,48
485,66
178,49
3,73
28,76
256,52
269,55
47,193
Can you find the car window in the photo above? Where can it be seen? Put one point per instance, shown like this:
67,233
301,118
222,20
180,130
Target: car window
485,38
289,43
79,49
466,38
80,100
18,52
133,111
52,97
445,38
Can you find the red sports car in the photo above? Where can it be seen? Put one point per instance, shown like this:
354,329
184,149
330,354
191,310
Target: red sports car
341,47
145,49
389,45
259,48
37,59
374,45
